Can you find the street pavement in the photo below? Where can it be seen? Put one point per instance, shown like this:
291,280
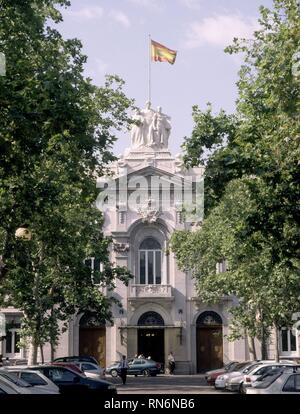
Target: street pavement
164,384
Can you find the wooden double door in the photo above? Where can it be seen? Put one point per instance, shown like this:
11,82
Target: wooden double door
209,348
92,341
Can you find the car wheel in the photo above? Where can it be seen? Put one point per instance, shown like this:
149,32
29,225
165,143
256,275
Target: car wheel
146,373
114,373
242,389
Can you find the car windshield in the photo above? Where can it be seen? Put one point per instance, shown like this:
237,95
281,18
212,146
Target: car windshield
250,368
240,366
267,380
14,379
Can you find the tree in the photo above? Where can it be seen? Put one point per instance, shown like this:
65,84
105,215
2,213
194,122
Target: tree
56,134
259,144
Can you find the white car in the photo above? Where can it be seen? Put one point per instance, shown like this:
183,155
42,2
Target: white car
234,380
19,386
91,370
6,389
221,380
286,382
35,378
260,370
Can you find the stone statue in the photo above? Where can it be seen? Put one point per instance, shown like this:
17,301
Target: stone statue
152,129
163,128
137,130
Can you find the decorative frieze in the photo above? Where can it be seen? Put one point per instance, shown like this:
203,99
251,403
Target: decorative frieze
121,247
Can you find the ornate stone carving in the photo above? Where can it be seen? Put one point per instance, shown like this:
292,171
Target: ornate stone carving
151,128
121,247
148,212
141,291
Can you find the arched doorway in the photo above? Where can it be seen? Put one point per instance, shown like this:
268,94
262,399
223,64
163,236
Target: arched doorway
209,341
92,337
151,338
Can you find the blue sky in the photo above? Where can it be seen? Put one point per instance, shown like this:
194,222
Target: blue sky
114,34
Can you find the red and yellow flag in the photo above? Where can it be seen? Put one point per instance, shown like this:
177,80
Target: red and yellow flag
160,53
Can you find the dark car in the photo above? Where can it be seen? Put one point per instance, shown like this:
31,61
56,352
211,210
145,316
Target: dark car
137,366
84,358
70,382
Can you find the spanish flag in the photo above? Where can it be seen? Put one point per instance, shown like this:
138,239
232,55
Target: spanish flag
160,53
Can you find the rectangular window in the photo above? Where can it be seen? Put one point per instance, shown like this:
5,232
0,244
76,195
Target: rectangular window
288,340
142,268
158,267
8,341
284,340
293,340
16,344
150,268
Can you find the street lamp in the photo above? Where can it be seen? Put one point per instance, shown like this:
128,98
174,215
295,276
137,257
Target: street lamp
23,233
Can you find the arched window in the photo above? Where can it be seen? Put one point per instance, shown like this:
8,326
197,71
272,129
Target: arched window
151,319
91,320
209,318
150,262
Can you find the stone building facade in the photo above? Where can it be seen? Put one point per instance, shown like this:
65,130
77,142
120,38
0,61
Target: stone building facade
160,309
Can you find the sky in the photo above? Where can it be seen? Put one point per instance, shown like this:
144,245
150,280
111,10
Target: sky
115,37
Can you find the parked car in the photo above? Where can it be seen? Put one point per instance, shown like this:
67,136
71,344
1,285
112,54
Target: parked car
259,371
70,365
284,381
91,370
6,389
234,380
211,376
19,386
136,366
34,378
82,358
69,381
220,382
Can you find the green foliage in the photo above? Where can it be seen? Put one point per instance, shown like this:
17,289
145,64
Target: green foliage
56,134
252,182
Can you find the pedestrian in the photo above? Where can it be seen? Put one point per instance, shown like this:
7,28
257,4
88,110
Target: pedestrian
1,360
123,367
171,361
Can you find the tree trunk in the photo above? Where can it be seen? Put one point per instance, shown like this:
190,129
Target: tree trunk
33,352
42,354
264,348
252,349
276,343
52,350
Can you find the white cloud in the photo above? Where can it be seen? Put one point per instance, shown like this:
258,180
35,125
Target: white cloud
191,4
148,4
219,30
88,13
120,17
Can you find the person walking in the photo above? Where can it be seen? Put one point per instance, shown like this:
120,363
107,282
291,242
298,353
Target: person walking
171,361
123,367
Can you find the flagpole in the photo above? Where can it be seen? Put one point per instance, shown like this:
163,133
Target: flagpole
149,70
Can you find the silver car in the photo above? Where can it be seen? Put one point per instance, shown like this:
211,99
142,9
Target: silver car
19,386
35,378
286,381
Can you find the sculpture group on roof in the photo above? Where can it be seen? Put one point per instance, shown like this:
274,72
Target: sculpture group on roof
151,128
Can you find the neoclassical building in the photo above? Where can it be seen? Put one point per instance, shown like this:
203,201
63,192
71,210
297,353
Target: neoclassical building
145,201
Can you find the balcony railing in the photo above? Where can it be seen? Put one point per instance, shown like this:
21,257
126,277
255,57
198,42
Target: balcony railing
152,291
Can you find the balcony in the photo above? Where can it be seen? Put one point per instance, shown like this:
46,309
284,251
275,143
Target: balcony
157,293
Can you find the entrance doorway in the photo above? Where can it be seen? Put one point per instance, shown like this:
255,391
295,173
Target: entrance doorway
151,342
209,341
151,336
92,339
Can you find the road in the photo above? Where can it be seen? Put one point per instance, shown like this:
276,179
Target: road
164,384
